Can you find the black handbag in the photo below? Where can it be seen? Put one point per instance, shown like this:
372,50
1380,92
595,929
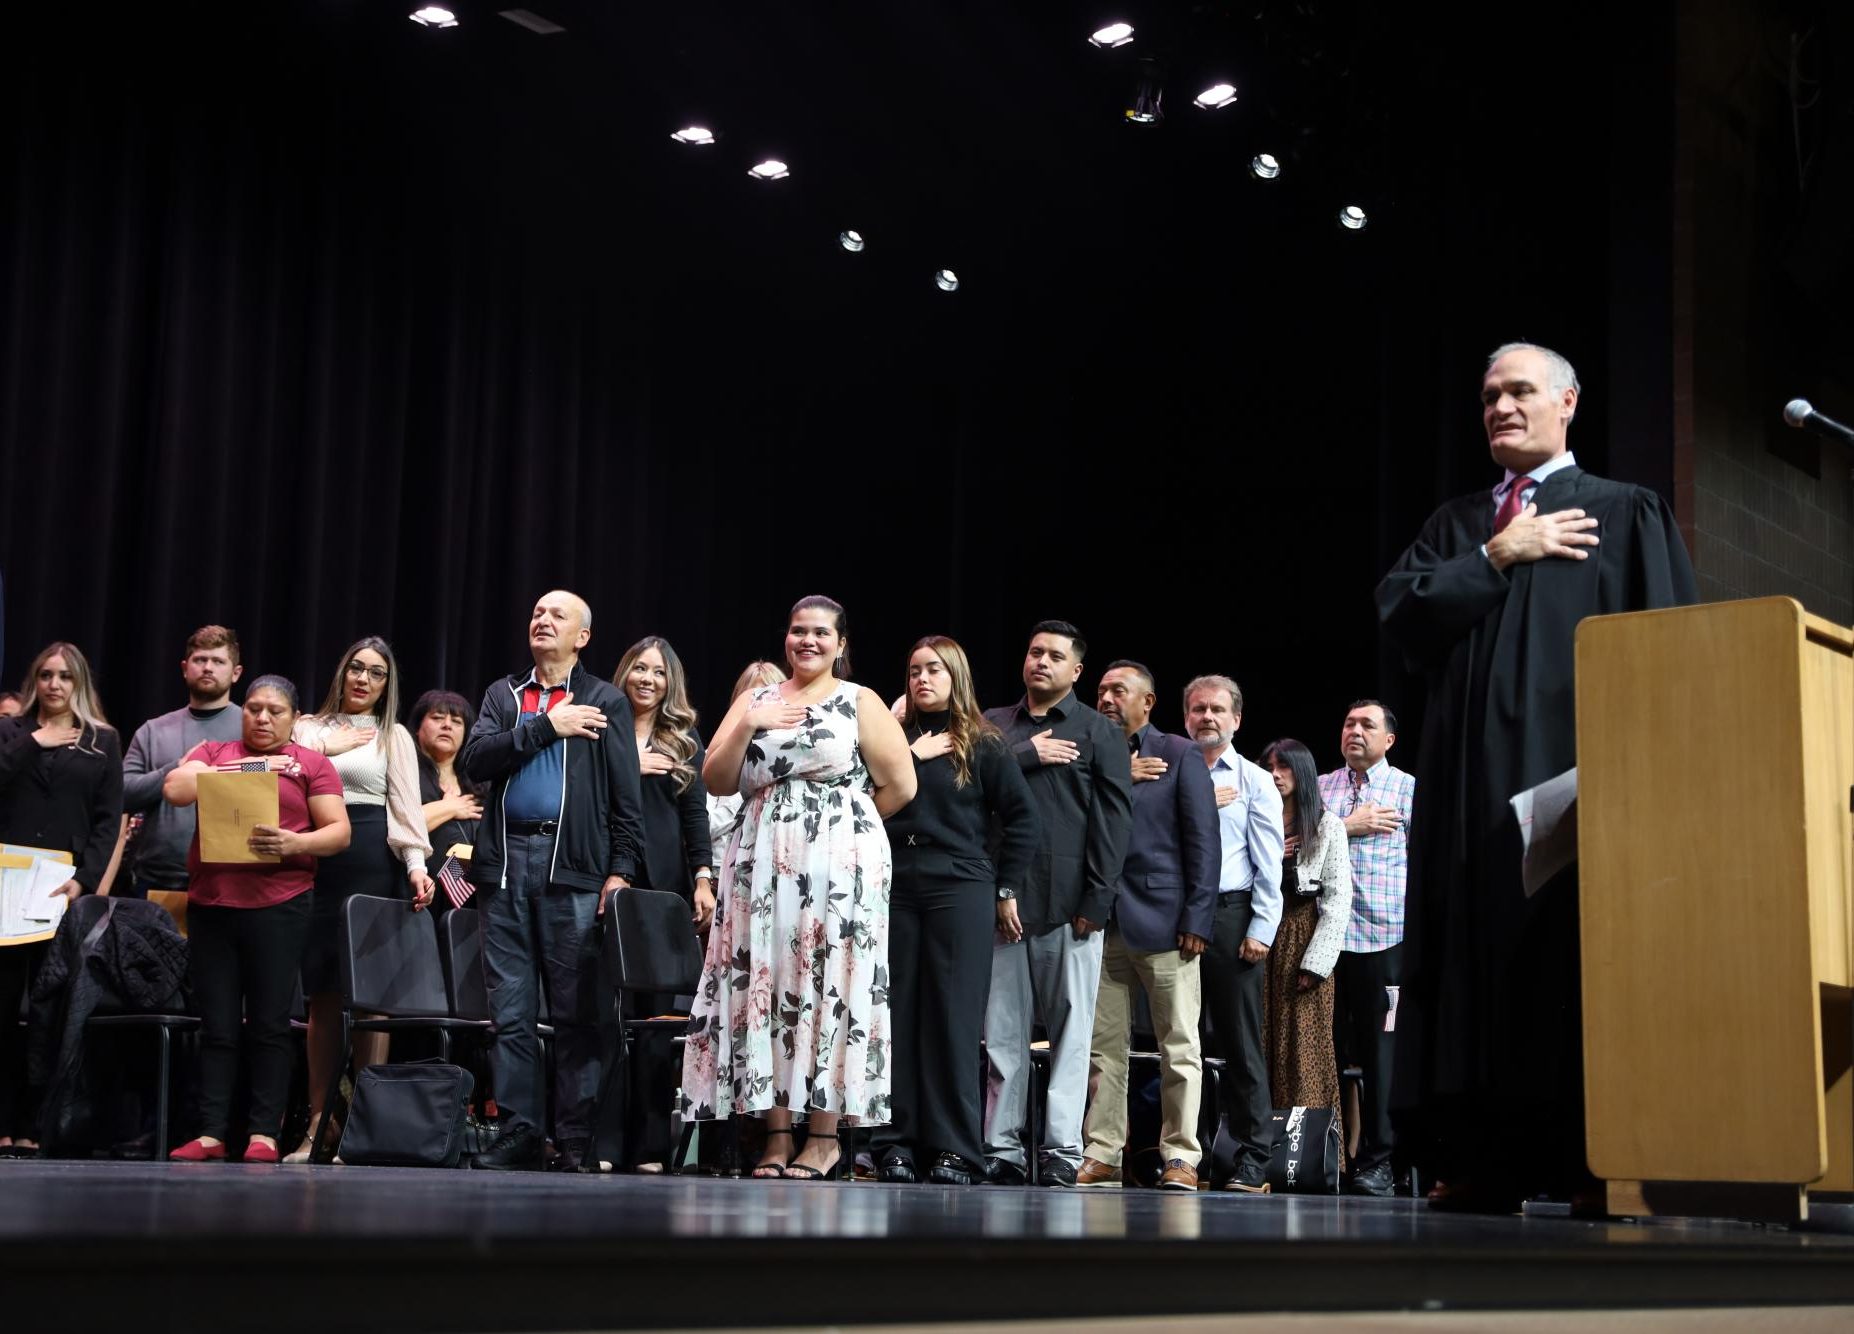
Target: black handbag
1304,1158
414,1114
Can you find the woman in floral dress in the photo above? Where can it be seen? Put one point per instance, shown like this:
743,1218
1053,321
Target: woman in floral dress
792,1016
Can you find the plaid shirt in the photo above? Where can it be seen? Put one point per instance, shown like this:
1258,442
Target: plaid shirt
1380,862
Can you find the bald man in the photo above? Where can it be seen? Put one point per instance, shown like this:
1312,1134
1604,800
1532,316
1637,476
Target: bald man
562,831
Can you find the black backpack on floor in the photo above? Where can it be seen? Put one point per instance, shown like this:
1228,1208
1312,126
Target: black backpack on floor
414,1114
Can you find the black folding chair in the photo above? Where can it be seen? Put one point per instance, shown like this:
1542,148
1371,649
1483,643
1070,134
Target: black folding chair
391,982
167,1025
647,945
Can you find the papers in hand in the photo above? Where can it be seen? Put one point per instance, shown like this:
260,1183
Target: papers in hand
231,806
1547,817
30,880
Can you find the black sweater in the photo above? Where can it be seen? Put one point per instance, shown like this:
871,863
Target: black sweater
943,830
676,831
69,799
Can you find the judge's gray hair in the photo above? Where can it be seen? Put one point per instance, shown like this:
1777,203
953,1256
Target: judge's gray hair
1563,374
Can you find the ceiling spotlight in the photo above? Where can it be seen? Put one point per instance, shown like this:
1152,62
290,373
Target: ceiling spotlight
772,169
1144,108
850,241
946,280
695,134
1217,95
1352,218
1114,34
433,16
1264,167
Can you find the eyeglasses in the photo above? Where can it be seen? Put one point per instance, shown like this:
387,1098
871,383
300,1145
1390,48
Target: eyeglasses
374,674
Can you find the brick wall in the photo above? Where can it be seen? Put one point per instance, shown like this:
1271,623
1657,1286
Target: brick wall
1765,509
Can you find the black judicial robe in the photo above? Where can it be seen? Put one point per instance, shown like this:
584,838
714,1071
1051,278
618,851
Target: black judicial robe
1489,1039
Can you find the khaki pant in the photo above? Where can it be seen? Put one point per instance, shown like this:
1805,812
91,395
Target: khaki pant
1175,992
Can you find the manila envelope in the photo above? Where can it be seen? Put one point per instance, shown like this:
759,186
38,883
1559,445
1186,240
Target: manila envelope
231,806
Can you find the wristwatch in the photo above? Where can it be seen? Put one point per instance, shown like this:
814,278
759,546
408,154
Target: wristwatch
1004,895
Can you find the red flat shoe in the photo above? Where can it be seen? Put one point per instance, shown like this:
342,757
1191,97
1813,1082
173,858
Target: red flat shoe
259,1152
198,1151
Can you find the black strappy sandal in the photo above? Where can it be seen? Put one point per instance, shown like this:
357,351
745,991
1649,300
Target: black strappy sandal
799,1172
765,1171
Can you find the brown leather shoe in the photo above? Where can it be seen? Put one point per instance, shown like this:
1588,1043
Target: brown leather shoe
1179,1175
1097,1175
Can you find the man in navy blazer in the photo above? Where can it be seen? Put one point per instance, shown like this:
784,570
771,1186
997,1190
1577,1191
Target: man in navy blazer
1161,921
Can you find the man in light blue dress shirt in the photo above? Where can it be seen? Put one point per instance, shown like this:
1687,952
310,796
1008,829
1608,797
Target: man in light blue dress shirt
1248,910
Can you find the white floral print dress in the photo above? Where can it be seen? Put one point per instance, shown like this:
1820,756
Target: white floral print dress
793,1006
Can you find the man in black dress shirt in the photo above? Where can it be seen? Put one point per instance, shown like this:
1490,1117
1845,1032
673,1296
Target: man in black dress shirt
1047,962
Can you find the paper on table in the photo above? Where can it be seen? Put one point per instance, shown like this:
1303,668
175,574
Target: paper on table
231,806
1547,829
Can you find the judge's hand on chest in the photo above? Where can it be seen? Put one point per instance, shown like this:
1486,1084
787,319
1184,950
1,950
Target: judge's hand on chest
1531,536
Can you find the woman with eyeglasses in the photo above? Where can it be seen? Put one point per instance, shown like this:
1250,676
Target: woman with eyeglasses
358,729
60,788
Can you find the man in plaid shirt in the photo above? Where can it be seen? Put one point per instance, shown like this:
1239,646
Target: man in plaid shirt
1373,798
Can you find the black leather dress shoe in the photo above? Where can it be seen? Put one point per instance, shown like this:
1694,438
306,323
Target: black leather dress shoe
516,1149
1375,1180
897,1169
1058,1172
952,1170
574,1155
1003,1172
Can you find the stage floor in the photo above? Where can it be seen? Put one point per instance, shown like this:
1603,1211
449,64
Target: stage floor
198,1246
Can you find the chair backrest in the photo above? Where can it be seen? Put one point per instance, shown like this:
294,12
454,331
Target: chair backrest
463,945
389,959
650,944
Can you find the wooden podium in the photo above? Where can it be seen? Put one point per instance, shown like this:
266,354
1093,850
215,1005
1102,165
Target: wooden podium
1715,749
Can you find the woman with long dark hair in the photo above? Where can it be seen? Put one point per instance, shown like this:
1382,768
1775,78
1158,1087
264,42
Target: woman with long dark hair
1316,892
61,789
677,858
792,1018
943,913
452,805
358,729
246,922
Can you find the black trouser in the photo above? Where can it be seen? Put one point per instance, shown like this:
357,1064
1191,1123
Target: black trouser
536,933
19,1105
1233,997
243,964
652,1077
939,968
1359,1012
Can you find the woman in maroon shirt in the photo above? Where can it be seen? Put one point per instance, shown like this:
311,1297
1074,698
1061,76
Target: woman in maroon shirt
247,921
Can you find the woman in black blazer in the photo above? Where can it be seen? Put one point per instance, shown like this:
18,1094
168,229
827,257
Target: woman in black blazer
60,788
677,858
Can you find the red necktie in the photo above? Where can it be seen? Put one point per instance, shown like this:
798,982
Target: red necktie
1510,507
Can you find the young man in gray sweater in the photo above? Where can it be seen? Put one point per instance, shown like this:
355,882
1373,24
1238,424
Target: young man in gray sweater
159,851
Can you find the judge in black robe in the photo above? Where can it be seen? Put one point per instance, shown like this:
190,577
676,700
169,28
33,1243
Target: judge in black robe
1488,1085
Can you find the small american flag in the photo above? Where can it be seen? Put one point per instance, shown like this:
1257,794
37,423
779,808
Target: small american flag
253,766
456,887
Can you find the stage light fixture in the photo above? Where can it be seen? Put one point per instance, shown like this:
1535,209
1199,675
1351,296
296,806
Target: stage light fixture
1264,167
850,241
1217,95
1114,34
695,134
433,16
772,169
946,280
1145,106
1352,218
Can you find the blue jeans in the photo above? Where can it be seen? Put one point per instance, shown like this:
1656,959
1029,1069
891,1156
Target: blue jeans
536,934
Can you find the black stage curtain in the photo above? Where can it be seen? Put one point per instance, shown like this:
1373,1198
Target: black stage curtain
319,329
